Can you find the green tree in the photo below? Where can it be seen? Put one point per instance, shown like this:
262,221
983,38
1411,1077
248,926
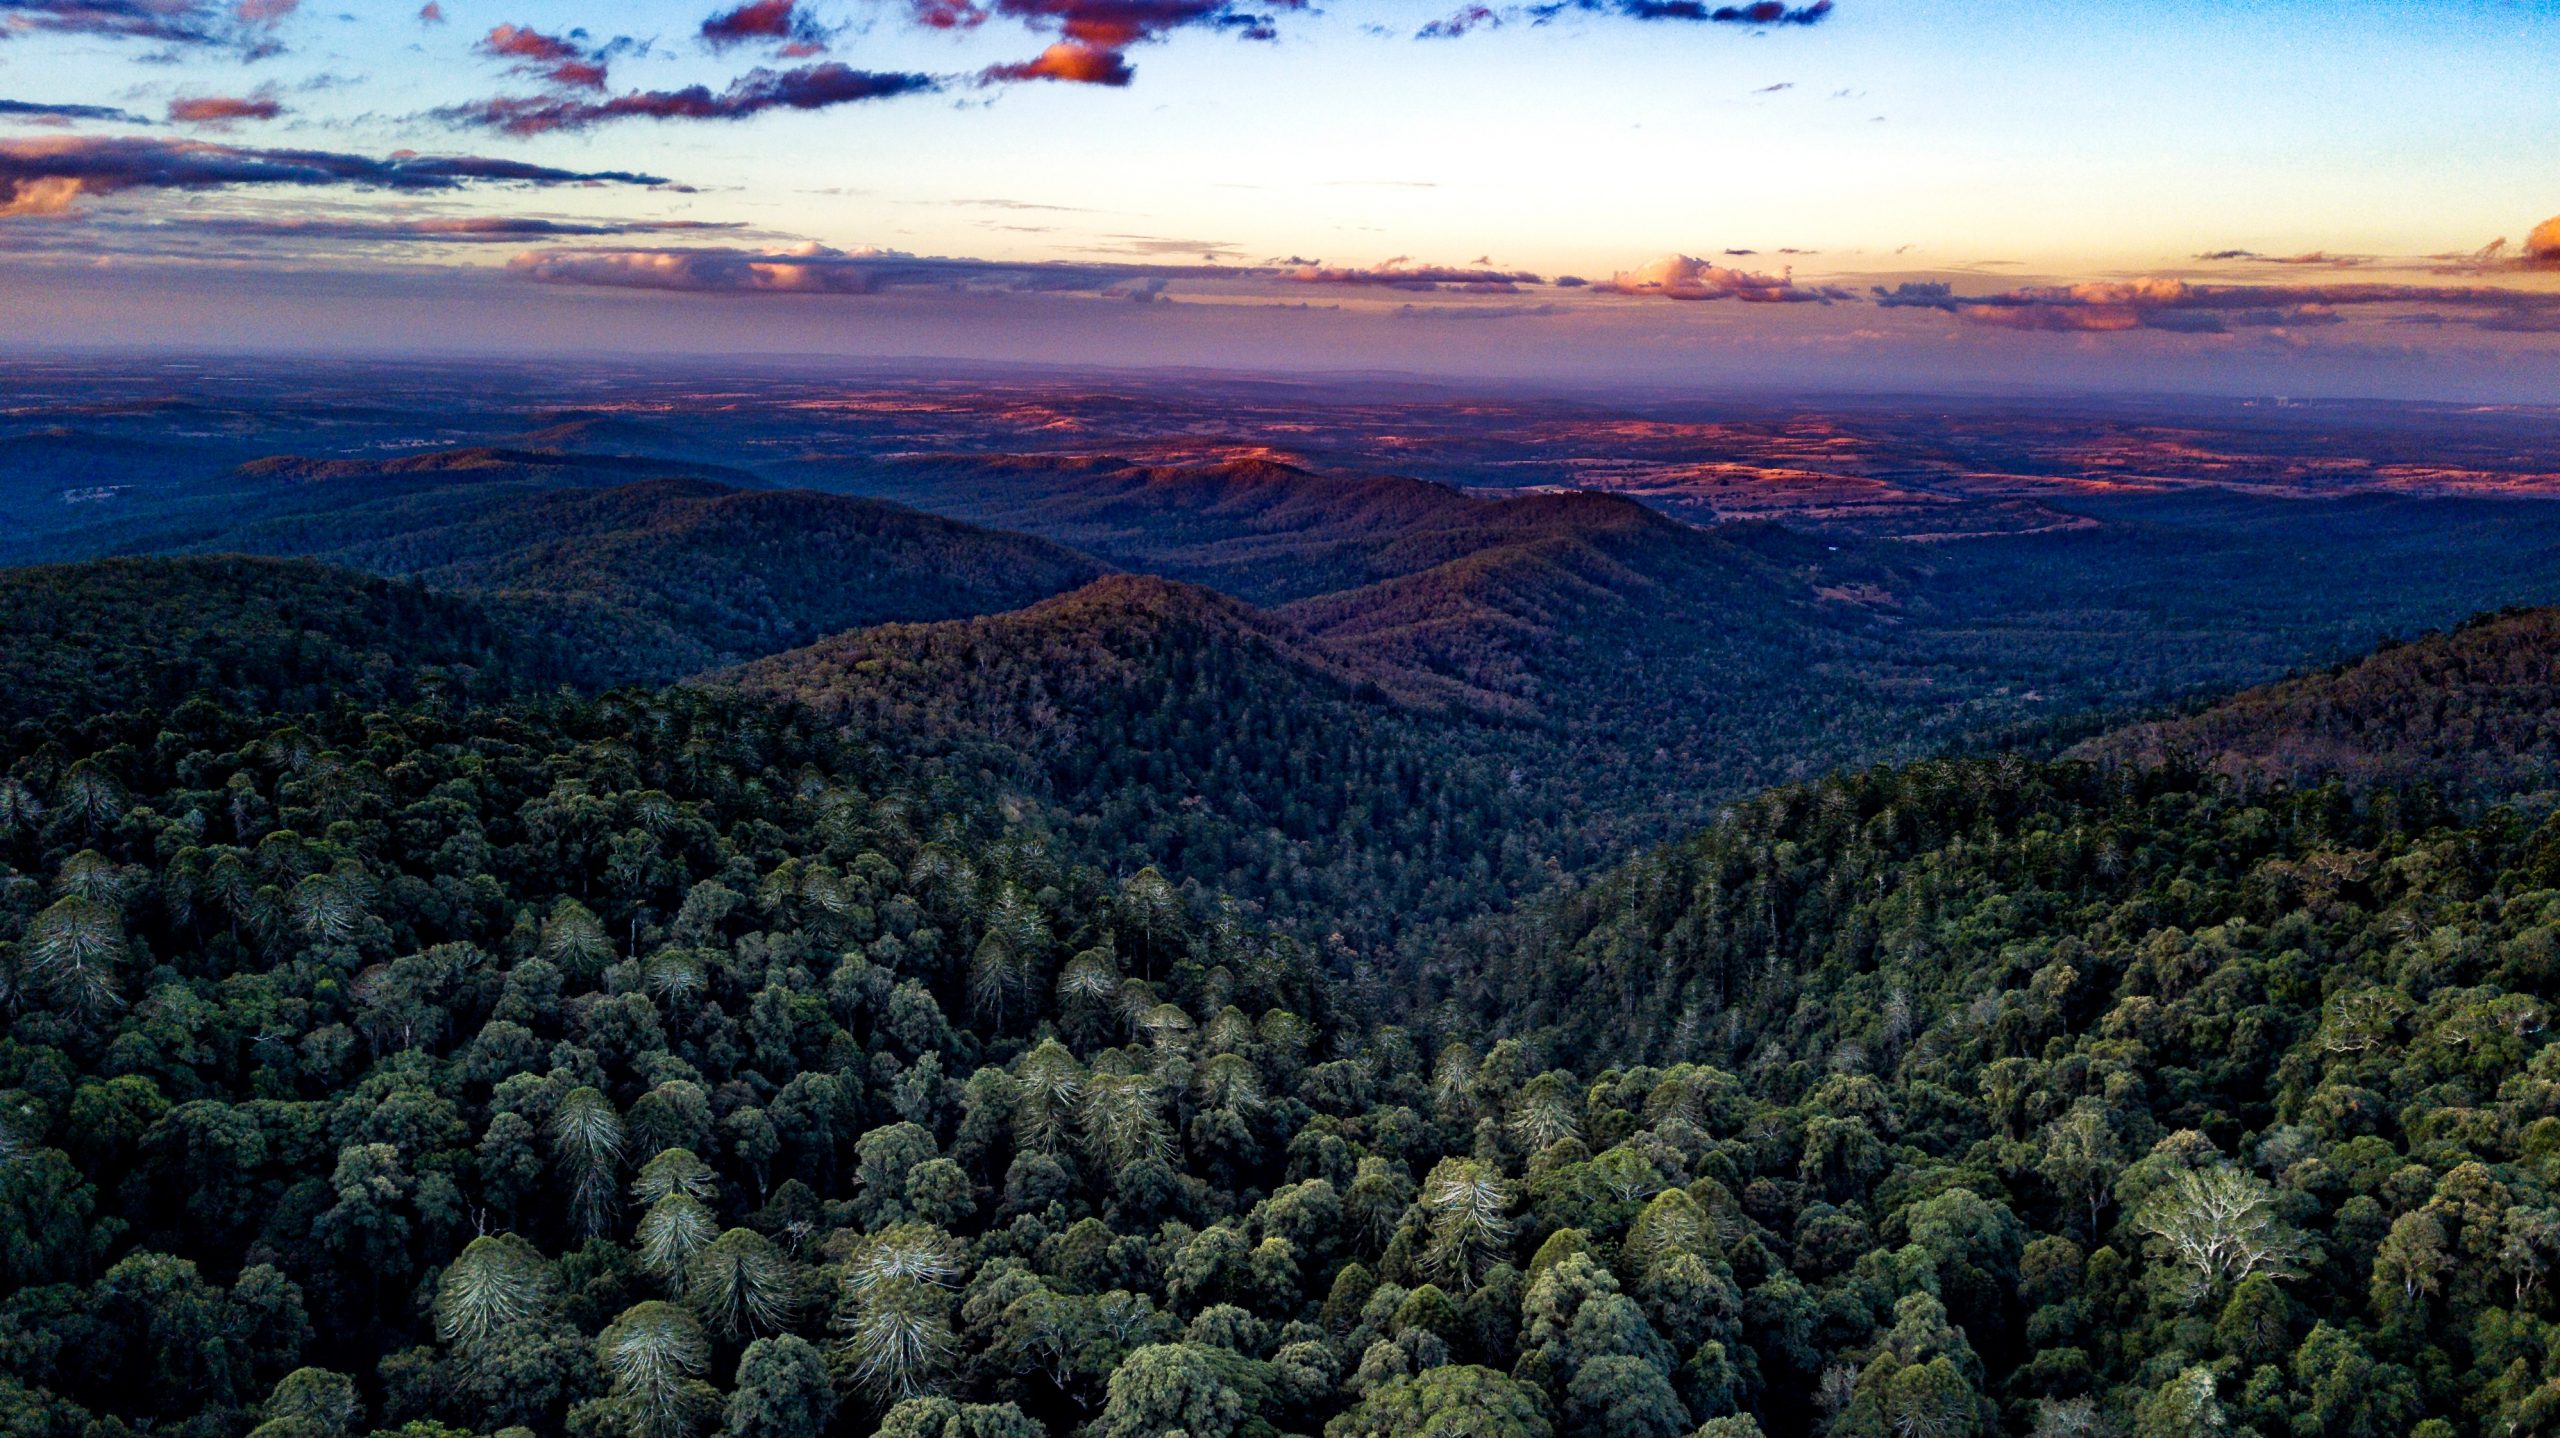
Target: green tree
654,1355
1460,1401
782,1391
1189,1388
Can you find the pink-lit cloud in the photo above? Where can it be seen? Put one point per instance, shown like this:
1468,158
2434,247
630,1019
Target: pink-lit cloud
783,23
2542,246
1094,34
221,112
1686,277
1070,61
564,61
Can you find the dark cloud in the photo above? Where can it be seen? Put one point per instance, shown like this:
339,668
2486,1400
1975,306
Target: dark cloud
776,22
247,25
1402,274
1686,277
224,111
65,114
809,87
448,230
2315,259
1453,26
2119,306
1765,12
820,270
45,177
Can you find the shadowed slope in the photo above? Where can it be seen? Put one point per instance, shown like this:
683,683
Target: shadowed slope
2474,711
135,634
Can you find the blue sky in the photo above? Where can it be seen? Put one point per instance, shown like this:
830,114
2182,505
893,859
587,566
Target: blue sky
1335,175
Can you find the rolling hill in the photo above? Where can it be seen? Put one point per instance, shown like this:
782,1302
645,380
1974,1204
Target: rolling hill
2474,710
1165,723
287,503
642,569
1260,530
664,578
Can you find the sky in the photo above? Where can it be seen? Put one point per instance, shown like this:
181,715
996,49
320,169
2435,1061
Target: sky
2258,197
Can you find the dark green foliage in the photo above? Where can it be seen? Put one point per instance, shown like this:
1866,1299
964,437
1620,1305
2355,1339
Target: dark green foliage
2474,711
660,579
1173,726
663,1064
150,634
628,581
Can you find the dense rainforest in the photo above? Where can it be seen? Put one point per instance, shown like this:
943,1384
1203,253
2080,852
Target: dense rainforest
399,1044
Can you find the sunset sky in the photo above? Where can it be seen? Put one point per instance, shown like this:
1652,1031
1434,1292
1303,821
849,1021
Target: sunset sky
1869,193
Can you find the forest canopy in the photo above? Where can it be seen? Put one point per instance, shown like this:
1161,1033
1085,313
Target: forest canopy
441,1059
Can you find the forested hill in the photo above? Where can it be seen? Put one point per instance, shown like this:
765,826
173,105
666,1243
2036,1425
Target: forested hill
1265,531
150,634
1170,724
1675,665
434,1063
183,502
1605,617
2233,1110
2474,710
645,580
673,577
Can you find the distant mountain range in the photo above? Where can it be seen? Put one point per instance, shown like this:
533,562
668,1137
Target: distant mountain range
1381,702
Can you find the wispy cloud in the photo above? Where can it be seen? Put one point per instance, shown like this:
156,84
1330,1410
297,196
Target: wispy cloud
2179,306
1401,273
1460,23
66,114
245,25
808,87
821,270
438,230
2311,259
1765,12
47,176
